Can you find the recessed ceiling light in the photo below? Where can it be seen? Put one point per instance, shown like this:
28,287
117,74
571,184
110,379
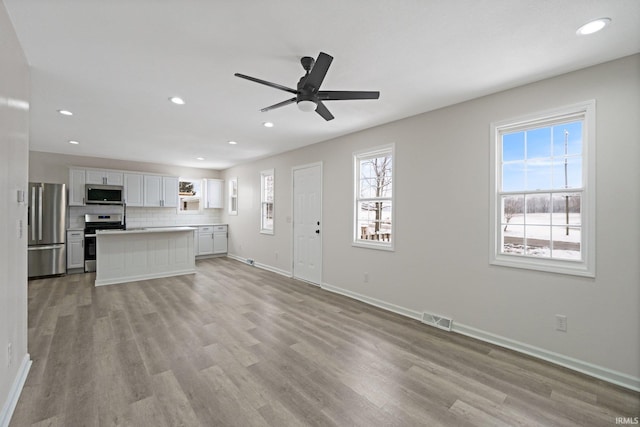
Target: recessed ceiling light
199,158
65,112
267,124
74,142
177,100
593,26
232,142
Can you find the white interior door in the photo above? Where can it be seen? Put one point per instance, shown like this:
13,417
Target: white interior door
307,223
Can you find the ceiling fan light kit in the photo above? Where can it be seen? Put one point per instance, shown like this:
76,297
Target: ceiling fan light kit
307,106
308,95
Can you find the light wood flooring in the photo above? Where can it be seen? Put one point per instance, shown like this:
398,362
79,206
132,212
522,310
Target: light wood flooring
234,345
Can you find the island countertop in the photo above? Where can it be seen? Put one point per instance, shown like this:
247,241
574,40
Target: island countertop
145,230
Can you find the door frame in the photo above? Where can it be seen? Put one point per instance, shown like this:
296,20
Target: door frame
293,207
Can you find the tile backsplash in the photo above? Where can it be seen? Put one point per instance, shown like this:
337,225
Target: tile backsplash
145,217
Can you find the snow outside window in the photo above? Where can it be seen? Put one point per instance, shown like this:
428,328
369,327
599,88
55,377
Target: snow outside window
544,194
267,199
373,196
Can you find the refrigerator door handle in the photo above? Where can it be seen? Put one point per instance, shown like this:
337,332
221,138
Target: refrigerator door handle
44,248
40,213
33,213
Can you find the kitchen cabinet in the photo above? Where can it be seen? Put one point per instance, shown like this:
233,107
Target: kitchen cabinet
220,236
134,189
215,194
75,249
77,182
160,191
211,240
205,240
104,177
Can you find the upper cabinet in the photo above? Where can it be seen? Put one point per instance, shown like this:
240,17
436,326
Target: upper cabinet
140,189
160,191
215,194
76,187
96,176
134,189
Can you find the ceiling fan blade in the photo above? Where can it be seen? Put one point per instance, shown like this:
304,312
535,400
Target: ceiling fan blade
319,70
264,82
323,111
337,95
279,104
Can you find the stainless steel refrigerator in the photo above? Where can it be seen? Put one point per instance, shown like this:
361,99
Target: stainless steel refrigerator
47,217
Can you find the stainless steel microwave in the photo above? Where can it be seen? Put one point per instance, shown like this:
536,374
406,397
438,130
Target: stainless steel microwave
104,194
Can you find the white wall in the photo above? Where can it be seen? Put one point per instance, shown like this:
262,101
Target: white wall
442,237
14,147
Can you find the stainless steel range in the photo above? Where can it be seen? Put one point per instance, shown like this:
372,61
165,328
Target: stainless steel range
92,223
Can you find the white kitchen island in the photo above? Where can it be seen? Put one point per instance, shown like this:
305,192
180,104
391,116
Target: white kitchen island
140,254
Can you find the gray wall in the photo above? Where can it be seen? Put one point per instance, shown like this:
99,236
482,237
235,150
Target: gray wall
14,149
442,237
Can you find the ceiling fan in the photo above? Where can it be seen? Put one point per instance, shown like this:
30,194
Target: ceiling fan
308,95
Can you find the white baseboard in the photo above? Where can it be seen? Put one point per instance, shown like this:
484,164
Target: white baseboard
375,302
606,374
14,393
262,266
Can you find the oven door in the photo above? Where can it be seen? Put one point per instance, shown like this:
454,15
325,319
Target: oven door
89,252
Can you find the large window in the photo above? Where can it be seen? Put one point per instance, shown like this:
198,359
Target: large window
267,199
543,195
373,191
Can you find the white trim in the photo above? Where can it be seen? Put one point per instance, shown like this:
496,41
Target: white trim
374,302
600,372
587,267
293,170
273,269
15,391
139,277
262,266
590,369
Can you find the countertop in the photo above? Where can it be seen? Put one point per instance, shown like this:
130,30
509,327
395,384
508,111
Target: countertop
145,230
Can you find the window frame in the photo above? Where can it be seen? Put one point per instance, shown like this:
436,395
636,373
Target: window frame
232,197
358,156
263,175
586,111
201,197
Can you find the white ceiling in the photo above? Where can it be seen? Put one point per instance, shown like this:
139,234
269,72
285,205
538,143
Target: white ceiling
115,63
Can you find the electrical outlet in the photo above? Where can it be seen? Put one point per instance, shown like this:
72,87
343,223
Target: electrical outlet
9,354
366,277
561,323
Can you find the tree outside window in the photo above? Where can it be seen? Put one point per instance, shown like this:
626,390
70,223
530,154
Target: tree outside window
374,198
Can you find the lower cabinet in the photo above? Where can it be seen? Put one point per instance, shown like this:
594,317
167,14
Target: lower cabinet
75,249
205,240
211,240
219,239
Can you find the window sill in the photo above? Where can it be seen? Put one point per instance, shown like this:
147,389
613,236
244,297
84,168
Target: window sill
371,245
573,268
269,232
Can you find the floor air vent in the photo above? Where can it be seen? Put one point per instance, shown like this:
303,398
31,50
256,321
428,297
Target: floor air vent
437,321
